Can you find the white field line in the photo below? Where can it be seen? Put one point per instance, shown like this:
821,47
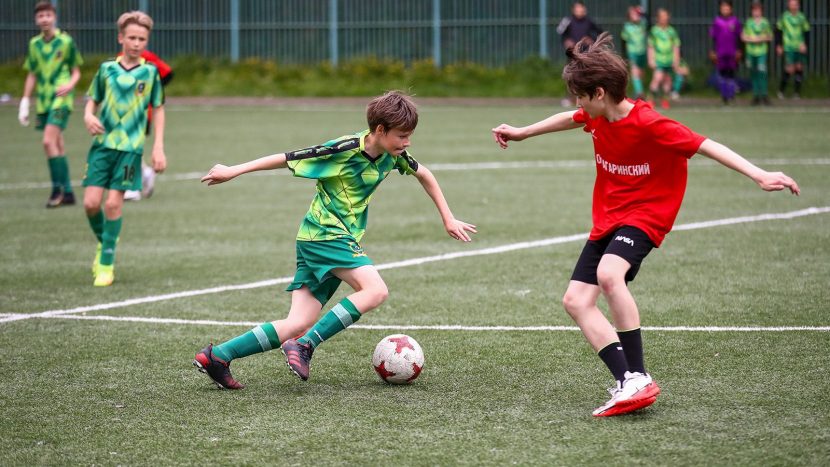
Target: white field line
450,166
405,263
447,327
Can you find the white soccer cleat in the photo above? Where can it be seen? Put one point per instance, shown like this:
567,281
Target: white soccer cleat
638,390
148,181
132,195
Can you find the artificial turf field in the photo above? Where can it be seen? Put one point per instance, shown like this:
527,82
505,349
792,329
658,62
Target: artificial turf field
115,385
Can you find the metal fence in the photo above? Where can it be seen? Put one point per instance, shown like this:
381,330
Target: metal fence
489,32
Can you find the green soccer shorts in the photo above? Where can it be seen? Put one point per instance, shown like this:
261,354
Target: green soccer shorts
315,260
113,169
791,58
58,117
639,60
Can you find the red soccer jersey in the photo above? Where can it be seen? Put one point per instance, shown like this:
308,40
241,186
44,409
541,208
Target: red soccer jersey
641,170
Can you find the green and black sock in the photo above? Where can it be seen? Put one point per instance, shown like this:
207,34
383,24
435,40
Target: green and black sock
259,339
96,222
109,237
337,319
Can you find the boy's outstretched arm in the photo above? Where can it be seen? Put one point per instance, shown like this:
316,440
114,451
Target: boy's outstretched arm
768,181
456,228
222,173
559,122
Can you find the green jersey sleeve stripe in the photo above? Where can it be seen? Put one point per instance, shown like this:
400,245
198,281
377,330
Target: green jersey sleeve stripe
321,151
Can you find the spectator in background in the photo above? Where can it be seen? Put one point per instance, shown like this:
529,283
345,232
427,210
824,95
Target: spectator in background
757,34
572,29
634,33
726,49
663,57
148,175
792,34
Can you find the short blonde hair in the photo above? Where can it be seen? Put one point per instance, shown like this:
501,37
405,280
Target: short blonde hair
135,17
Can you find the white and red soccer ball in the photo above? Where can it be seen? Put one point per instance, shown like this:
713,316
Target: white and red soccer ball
398,359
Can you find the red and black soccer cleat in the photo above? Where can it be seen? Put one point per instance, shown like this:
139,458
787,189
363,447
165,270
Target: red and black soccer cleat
298,357
217,369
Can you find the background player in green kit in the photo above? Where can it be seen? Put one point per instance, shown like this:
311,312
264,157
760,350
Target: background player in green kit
348,170
756,34
123,89
633,35
53,63
663,57
791,34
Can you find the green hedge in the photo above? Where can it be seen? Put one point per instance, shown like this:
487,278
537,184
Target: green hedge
198,76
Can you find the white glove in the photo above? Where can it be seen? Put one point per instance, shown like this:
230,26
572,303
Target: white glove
23,114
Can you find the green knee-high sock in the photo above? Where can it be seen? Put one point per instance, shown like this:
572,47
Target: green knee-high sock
259,339
337,319
678,83
96,221
112,228
65,178
55,174
638,86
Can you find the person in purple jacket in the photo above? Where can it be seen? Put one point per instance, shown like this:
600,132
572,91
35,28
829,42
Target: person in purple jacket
726,49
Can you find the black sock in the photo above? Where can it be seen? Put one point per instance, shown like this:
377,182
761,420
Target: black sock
799,77
632,343
784,79
614,358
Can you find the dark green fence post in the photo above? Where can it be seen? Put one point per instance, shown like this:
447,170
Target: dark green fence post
234,26
436,32
543,28
334,46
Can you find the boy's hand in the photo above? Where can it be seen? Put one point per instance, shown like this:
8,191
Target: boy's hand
93,125
779,50
159,160
23,114
63,90
458,230
219,174
777,181
504,133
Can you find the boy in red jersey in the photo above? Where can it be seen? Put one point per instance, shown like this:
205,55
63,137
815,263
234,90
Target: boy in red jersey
641,160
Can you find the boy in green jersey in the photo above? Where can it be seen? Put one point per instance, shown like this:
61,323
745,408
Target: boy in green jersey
633,35
122,89
53,65
792,33
348,170
756,34
663,57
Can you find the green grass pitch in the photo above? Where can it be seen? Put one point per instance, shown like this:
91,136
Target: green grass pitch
97,391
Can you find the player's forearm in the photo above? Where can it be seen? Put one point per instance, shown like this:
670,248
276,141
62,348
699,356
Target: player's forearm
91,108
29,85
274,161
729,158
74,77
158,127
558,122
433,190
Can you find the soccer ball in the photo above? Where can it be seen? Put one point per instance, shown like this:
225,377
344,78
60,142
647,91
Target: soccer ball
398,359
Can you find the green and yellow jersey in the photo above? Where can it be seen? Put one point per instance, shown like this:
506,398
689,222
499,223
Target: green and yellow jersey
792,29
346,178
756,30
634,35
123,96
663,41
52,62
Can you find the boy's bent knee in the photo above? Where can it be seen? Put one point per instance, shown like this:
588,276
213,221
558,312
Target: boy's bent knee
575,303
610,279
